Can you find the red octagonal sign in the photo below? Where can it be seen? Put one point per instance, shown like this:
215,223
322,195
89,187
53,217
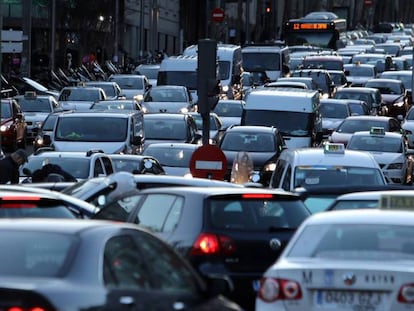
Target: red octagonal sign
208,161
217,15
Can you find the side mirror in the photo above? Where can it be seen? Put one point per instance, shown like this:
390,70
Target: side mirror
27,171
47,140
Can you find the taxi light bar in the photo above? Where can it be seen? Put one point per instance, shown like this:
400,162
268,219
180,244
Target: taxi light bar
30,95
334,148
396,202
377,130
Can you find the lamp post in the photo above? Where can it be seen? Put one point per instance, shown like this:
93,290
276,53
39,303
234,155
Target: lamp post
53,36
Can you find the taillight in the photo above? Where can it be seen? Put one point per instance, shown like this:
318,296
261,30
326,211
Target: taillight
26,309
272,289
213,244
406,293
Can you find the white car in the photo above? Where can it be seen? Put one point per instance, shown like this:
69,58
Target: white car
344,260
390,150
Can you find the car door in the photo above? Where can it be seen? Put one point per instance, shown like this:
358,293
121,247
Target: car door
142,273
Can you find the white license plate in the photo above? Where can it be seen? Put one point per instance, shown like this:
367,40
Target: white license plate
352,300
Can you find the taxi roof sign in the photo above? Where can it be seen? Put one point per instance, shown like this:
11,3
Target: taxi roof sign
375,130
334,148
396,202
30,94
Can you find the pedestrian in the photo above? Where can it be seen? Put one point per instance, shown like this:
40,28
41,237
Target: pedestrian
9,167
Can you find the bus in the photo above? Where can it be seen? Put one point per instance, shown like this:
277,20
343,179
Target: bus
321,29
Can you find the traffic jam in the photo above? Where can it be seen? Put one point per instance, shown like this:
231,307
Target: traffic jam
257,177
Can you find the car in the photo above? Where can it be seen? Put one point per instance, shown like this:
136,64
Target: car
329,62
25,202
148,70
229,111
405,76
132,86
36,108
408,126
111,89
170,127
117,104
262,143
81,165
216,229
321,77
358,74
390,150
359,107
394,96
168,98
381,61
13,126
112,131
97,264
365,199
47,128
363,256
354,124
333,112
100,190
371,96
216,127
307,80
327,166
174,157
339,78
136,164
286,84
80,97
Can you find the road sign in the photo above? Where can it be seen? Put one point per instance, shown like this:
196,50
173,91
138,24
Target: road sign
11,35
11,47
217,15
208,161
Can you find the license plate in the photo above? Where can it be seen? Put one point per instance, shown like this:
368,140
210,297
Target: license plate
349,300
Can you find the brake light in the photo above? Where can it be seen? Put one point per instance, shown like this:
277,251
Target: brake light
20,198
272,289
257,196
213,244
26,309
406,293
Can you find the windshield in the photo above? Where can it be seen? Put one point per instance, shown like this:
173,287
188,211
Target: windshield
6,110
297,124
35,105
92,129
376,143
352,126
184,78
251,142
165,129
224,70
174,157
261,61
334,111
320,175
129,83
78,167
380,242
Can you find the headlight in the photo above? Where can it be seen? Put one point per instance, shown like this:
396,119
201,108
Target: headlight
398,104
270,167
184,110
225,88
38,124
39,141
395,166
4,128
139,97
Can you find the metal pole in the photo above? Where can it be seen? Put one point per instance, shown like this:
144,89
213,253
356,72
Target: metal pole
247,21
141,31
53,36
1,60
27,43
115,58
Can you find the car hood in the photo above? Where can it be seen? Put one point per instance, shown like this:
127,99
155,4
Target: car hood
387,157
76,105
106,147
330,123
38,116
172,141
391,98
227,121
168,107
130,93
6,120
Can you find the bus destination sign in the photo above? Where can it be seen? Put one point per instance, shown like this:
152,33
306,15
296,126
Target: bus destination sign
310,26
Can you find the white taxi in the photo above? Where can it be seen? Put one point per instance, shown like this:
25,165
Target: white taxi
390,150
344,260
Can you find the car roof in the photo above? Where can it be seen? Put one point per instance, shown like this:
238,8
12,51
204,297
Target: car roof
384,80
164,116
369,117
97,113
387,134
173,146
363,216
357,89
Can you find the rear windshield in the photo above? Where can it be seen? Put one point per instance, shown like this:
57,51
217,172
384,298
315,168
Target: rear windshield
255,214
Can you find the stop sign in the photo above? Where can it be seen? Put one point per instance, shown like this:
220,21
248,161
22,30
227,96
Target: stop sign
217,15
208,161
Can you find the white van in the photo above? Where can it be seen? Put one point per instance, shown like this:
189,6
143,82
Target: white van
328,166
295,112
229,57
180,70
271,59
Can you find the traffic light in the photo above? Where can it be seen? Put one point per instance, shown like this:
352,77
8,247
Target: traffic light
208,83
268,7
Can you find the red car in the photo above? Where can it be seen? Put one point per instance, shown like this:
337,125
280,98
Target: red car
13,125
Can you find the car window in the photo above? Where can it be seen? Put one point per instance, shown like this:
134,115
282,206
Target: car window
160,212
120,209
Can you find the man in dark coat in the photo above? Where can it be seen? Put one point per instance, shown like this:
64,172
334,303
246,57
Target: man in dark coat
9,167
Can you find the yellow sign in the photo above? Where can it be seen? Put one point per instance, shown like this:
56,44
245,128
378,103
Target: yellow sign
398,202
309,26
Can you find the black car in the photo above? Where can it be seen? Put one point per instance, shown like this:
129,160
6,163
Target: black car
236,231
371,96
262,143
96,265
